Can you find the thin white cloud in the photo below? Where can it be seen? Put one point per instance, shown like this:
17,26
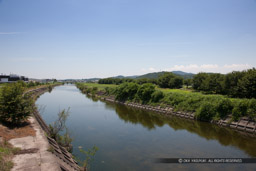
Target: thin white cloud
209,66
194,68
150,69
238,66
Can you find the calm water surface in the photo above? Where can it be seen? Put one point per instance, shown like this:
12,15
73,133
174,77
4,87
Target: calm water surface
130,139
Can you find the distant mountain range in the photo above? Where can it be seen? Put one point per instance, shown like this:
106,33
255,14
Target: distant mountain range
155,75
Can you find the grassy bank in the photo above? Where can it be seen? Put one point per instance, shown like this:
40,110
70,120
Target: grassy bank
6,154
15,107
205,107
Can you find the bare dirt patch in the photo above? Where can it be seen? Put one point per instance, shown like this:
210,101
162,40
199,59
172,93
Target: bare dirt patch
23,130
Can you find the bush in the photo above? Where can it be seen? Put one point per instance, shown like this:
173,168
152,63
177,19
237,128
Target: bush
252,109
223,107
157,96
95,89
14,106
145,91
240,109
59,126
126,91
206,111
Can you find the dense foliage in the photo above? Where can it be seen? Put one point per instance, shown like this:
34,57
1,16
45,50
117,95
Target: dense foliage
169,80
145,92
166,80
114,80
15,103
118,81
206,107
15,107
235,84
126,91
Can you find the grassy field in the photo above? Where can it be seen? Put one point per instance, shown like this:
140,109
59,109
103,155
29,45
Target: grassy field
100,86
164,90
167,90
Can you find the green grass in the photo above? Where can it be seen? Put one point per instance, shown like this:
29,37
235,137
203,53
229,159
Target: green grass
6,153
99,86
167,90
164,90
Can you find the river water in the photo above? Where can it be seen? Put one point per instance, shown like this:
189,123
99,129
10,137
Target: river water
131,139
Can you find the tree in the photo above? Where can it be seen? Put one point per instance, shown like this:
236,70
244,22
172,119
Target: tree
199,80
247,84
169,80
213,83
231,84
175,82
163,80
188,82
14,106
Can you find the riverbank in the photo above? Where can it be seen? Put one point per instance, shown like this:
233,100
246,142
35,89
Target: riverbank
63,158
36,150
35,154
244,124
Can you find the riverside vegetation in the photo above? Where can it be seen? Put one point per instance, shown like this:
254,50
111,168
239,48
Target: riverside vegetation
209,104
15,107
15,103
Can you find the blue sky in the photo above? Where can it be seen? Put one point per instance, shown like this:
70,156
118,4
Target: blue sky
102,38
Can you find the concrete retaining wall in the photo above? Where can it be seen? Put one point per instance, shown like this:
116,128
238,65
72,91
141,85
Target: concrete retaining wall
243,125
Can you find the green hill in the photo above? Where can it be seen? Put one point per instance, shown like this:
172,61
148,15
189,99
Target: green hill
155,75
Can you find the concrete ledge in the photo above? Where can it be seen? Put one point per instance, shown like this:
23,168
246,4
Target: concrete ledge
42,159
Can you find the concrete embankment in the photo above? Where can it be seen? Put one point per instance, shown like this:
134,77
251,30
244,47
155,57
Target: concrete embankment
244,125
37,157
41,152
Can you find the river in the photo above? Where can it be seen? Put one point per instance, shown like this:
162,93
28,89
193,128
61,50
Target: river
131,139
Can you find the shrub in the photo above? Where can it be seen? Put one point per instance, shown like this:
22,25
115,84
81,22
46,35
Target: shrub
223,107
252,109
14,106
126,91
206,111
59,126
157,96
240,109
145,91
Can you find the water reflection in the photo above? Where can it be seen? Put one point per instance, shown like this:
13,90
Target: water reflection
151,120
129,138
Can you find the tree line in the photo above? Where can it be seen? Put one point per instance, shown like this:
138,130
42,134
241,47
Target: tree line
239,84
167,80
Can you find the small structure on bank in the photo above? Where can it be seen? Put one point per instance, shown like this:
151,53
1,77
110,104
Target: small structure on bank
12,78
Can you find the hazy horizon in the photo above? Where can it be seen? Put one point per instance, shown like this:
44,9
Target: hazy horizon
77,39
